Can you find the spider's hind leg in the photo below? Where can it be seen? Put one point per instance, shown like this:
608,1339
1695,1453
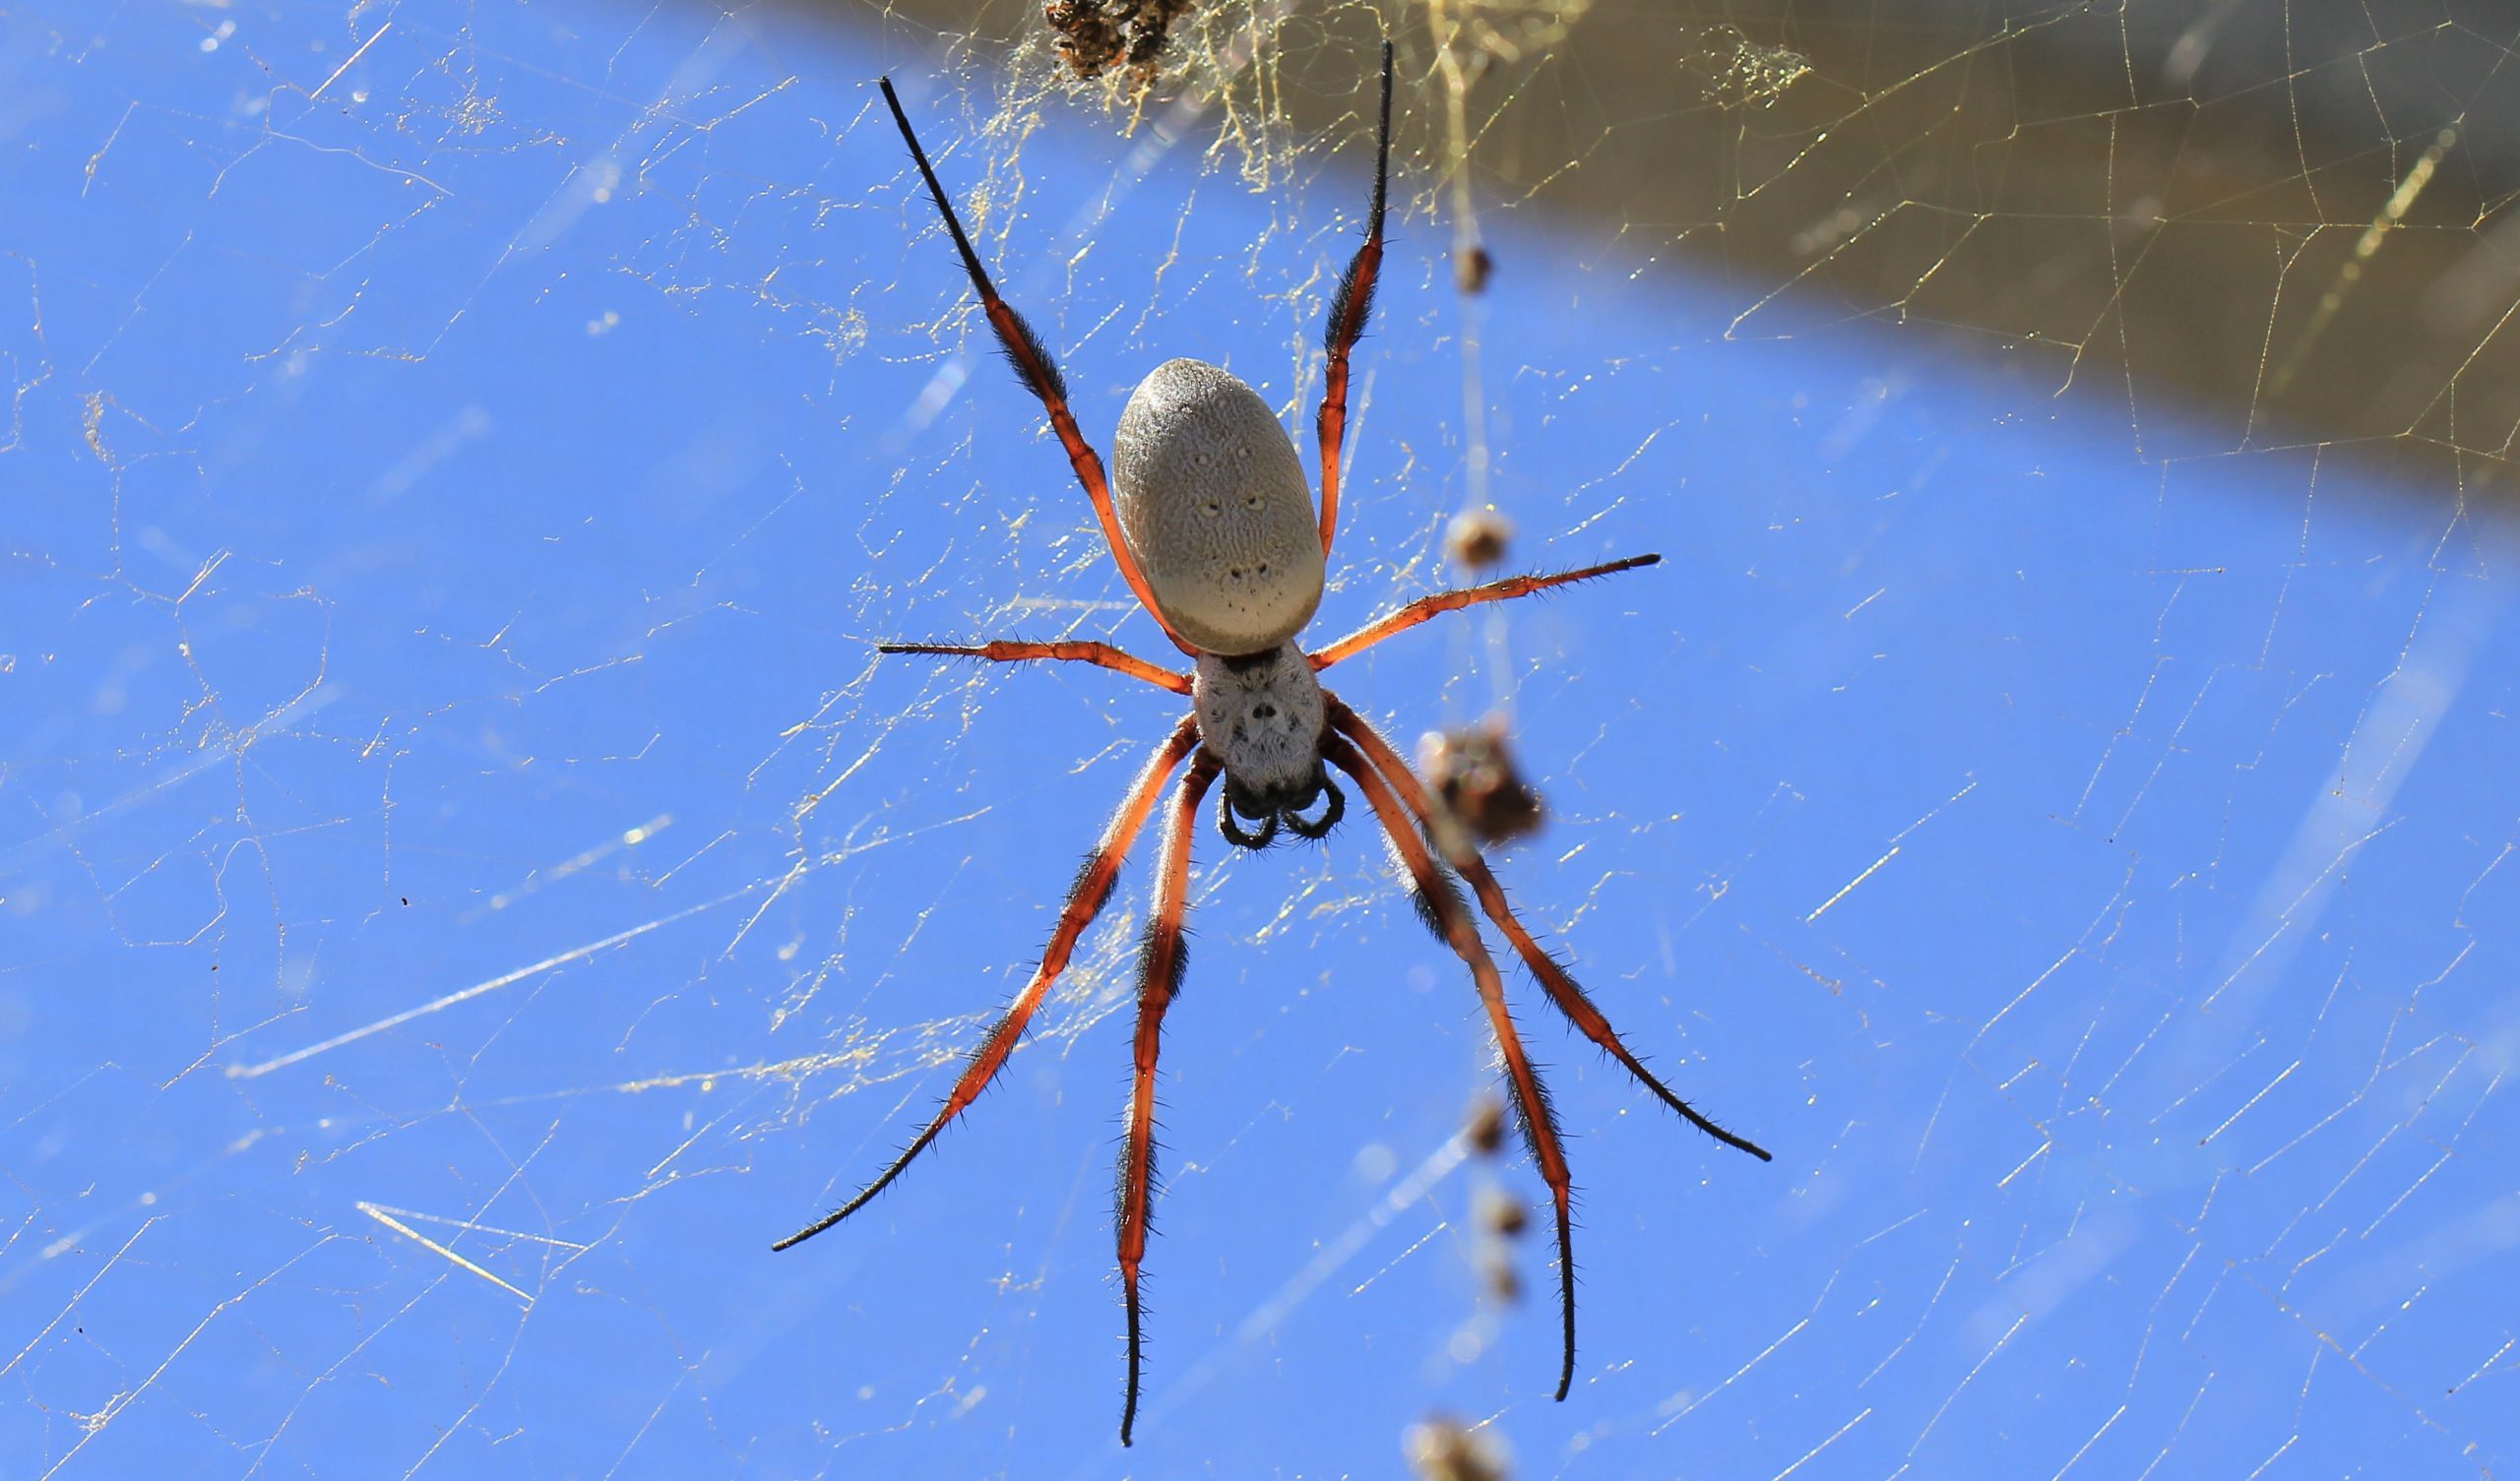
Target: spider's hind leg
1349,308
1040,373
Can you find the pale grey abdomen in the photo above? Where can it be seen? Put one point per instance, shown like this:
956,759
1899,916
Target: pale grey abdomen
1213,503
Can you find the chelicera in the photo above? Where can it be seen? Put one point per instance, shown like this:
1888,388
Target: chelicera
1210,522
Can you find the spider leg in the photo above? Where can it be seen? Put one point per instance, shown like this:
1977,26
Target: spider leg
1159,963
1554,979
1439,901
1083,901
1100,655
1425,607
1031,360
1349,310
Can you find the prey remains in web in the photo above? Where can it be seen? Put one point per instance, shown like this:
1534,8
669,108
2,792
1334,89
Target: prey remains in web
1212,523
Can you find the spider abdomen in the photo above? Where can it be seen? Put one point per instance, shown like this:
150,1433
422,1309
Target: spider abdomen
1214,502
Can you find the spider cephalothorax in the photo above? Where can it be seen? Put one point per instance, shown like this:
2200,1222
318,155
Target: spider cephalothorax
1215,532
1261,715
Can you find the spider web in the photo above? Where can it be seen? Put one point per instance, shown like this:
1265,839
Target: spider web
469,884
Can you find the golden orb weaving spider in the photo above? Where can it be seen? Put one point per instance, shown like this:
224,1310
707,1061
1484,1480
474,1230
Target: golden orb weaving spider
1210,522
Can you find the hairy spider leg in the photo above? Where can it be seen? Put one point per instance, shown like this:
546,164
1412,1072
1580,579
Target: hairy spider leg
1100,655
1440,902
1425,607
1554,979
1083,901
1349,310
1031,360
1160,964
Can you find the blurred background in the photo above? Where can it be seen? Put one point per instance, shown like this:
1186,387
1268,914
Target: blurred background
468,885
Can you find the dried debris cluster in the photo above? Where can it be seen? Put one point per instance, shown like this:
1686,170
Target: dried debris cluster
1472,769
1097,36
1444,1449
1500,1216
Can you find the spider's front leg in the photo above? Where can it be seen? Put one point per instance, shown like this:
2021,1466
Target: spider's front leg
1439,901
1159,963
1554,980
1083,901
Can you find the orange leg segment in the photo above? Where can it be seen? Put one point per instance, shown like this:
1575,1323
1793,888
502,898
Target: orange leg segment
1425,607
1349,310
1554,979
1031,360
1100,655
1085,901
1160,964
1441,903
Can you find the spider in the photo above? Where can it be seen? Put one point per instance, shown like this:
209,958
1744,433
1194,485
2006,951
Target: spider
1209,520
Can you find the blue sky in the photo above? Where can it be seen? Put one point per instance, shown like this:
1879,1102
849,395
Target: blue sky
470,885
